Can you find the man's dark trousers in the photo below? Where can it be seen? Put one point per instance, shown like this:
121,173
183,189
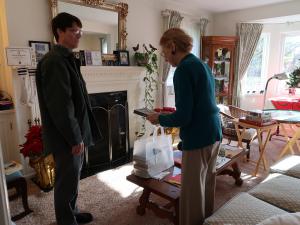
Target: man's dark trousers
68,169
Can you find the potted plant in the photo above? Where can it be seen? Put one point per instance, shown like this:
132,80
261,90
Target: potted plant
141,58
43,165
294,80
148,59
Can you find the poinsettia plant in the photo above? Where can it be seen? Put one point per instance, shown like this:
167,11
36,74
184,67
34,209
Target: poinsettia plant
33,145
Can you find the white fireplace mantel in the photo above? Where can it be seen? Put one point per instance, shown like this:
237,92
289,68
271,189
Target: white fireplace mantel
101,79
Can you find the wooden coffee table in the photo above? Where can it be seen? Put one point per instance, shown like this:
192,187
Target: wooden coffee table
171,193
163,189
230,168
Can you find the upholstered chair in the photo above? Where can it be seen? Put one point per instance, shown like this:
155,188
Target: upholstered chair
227,115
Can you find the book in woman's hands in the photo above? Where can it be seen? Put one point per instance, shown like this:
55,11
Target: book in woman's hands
143,112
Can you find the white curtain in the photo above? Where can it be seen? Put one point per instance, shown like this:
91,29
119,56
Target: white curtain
249,34
203,25
28,95
170,19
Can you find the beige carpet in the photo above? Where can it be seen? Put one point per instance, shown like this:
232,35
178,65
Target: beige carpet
112,200
108,196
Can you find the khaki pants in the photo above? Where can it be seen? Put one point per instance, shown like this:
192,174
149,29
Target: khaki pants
198,184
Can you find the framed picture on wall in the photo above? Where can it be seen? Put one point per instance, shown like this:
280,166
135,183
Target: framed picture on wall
40,48
123,57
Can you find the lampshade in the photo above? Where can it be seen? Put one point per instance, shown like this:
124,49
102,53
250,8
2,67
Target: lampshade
280,76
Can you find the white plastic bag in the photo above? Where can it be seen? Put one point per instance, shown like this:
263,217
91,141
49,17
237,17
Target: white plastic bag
152,155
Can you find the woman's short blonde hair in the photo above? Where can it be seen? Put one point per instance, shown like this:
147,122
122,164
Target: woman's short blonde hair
181,39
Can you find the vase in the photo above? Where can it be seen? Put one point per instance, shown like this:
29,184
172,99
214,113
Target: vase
44,167
142,61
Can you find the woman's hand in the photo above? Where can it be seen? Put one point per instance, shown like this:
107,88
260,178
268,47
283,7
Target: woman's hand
153,118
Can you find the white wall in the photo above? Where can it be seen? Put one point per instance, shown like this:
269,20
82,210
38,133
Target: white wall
28,20
225,23
144,21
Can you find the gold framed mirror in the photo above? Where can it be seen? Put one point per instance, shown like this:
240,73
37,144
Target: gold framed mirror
119,9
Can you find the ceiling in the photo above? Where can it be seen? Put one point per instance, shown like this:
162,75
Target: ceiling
282,19
218,6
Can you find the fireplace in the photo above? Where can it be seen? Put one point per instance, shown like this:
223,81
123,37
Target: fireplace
100,79
110,110
124,84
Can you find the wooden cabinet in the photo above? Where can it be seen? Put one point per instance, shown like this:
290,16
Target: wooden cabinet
8,136
219,53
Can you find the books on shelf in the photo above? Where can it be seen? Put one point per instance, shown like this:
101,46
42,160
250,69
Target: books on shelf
96,58
88,58
259,116
259,113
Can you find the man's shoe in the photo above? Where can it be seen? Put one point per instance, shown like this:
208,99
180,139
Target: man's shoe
84,217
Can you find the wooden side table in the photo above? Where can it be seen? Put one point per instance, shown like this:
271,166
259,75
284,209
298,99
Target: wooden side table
287,118
261,143
17,181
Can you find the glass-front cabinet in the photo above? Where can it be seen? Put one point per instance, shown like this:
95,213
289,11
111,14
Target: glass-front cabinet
219,53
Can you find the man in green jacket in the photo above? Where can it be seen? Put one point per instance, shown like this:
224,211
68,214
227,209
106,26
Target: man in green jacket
68,123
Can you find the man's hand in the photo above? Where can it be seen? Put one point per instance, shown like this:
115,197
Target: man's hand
153,118
78,149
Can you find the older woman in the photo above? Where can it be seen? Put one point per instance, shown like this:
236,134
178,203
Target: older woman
200,129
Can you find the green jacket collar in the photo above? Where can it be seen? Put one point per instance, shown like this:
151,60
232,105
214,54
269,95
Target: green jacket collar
184,58
63,50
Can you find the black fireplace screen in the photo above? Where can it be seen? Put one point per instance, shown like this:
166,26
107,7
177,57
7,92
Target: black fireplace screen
110,110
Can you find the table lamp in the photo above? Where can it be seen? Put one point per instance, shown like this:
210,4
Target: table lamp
279,76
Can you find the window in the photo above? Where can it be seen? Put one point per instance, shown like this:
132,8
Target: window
255,77
291,52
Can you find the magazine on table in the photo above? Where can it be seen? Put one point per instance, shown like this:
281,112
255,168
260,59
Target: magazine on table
230,151
175,180
221,161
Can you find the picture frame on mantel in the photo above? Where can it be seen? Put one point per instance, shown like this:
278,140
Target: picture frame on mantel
122,57
40,48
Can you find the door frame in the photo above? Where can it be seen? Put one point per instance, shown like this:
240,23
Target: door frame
6,82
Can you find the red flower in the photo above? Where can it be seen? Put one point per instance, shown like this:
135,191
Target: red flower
33,145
